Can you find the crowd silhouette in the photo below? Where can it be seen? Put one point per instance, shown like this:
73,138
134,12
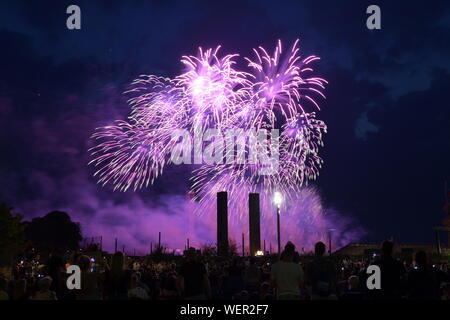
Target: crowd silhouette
195,276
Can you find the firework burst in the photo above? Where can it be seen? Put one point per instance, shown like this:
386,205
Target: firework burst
274,93
212,88
282,82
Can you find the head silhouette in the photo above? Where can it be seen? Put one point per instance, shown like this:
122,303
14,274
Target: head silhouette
353,282
289,250
421,259
387,248
84,263
45,283
117,264
319,248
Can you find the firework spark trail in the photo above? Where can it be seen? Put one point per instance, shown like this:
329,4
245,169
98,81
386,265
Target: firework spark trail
299,162
129,156
279,86
280,81
134,153
212,87
275,94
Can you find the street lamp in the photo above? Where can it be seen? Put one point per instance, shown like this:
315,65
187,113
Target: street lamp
278,199
330,231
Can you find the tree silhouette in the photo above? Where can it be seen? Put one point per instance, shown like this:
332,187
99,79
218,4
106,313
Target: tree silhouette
232,248
209,249
12,234
54,232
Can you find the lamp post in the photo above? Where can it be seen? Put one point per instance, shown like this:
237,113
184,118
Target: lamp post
278,199
329,240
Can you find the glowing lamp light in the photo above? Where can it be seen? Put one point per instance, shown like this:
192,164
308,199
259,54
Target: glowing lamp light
259,253
277,199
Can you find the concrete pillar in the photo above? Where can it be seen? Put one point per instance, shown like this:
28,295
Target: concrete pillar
222,223
254,223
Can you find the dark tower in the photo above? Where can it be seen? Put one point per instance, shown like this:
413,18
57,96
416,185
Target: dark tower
254,223
446,220
222,223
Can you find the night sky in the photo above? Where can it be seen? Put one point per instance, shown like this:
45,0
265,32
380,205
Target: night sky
386,154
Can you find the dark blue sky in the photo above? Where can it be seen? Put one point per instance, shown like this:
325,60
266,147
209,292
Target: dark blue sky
387,151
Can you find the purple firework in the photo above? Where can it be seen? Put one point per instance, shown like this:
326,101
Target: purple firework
273,93
282,81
